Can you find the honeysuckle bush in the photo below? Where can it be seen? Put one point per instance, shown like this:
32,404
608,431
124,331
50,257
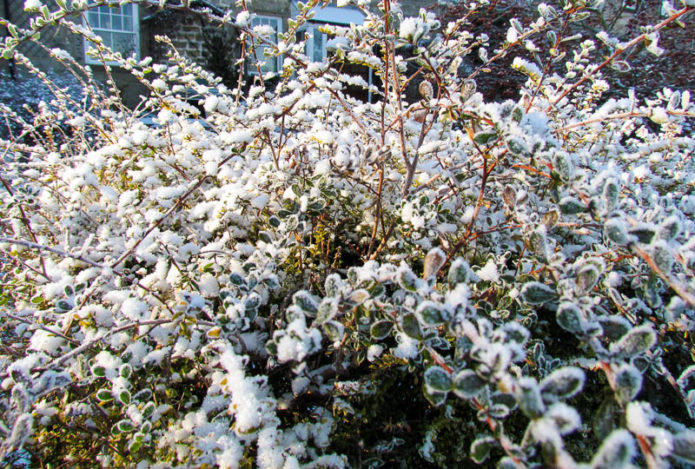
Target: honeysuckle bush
290,277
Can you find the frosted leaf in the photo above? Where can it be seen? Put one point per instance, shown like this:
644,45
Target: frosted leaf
467,384
538,244
380,329
628,382
662,256
432,313
570,317
671,228
480,448
611,190
638,340
529,398
488,273
434,260
306,302
565,418
407,279
614,230
333,285
617,450
571,206
684,446
564,166
458,272
562,383
411,326
327,310
587,277
437,379
535,293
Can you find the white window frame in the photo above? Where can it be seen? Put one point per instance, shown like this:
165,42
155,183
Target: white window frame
258,20
98,30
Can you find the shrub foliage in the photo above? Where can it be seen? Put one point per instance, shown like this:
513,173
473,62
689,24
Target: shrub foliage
295,278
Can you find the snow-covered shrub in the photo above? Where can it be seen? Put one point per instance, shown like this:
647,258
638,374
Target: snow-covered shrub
300,279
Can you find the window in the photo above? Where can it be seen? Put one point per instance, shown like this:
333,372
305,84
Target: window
268,64
315,43
118,27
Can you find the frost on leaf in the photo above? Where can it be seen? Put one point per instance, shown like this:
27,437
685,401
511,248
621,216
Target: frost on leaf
570,317
628,382
480,448
616,451
562,384
684,446
529,398
467,384
536,293
636,341
437,379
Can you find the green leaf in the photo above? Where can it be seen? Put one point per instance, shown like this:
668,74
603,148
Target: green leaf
437,379
125,371
644,233
237,279
614,229
333,285
68,290
411,326
517,146
380,329
536,293
467,384
637,341
616,451
564,166
334,330
606,418
571,206
99,371
480,448
104,395
432,313
124,397
458,272
628,382
484,136
562,383
587,277
538,245
407,280
328,308
517,114
570,318
125,426
529,398
63,306
435,398
306,302
611,190
136,442
148,410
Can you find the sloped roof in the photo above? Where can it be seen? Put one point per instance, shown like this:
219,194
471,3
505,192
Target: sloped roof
333,15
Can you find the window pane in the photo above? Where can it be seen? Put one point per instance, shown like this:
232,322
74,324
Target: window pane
93,18
127,23
124,43
105,22
116,22
127,10
318,46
